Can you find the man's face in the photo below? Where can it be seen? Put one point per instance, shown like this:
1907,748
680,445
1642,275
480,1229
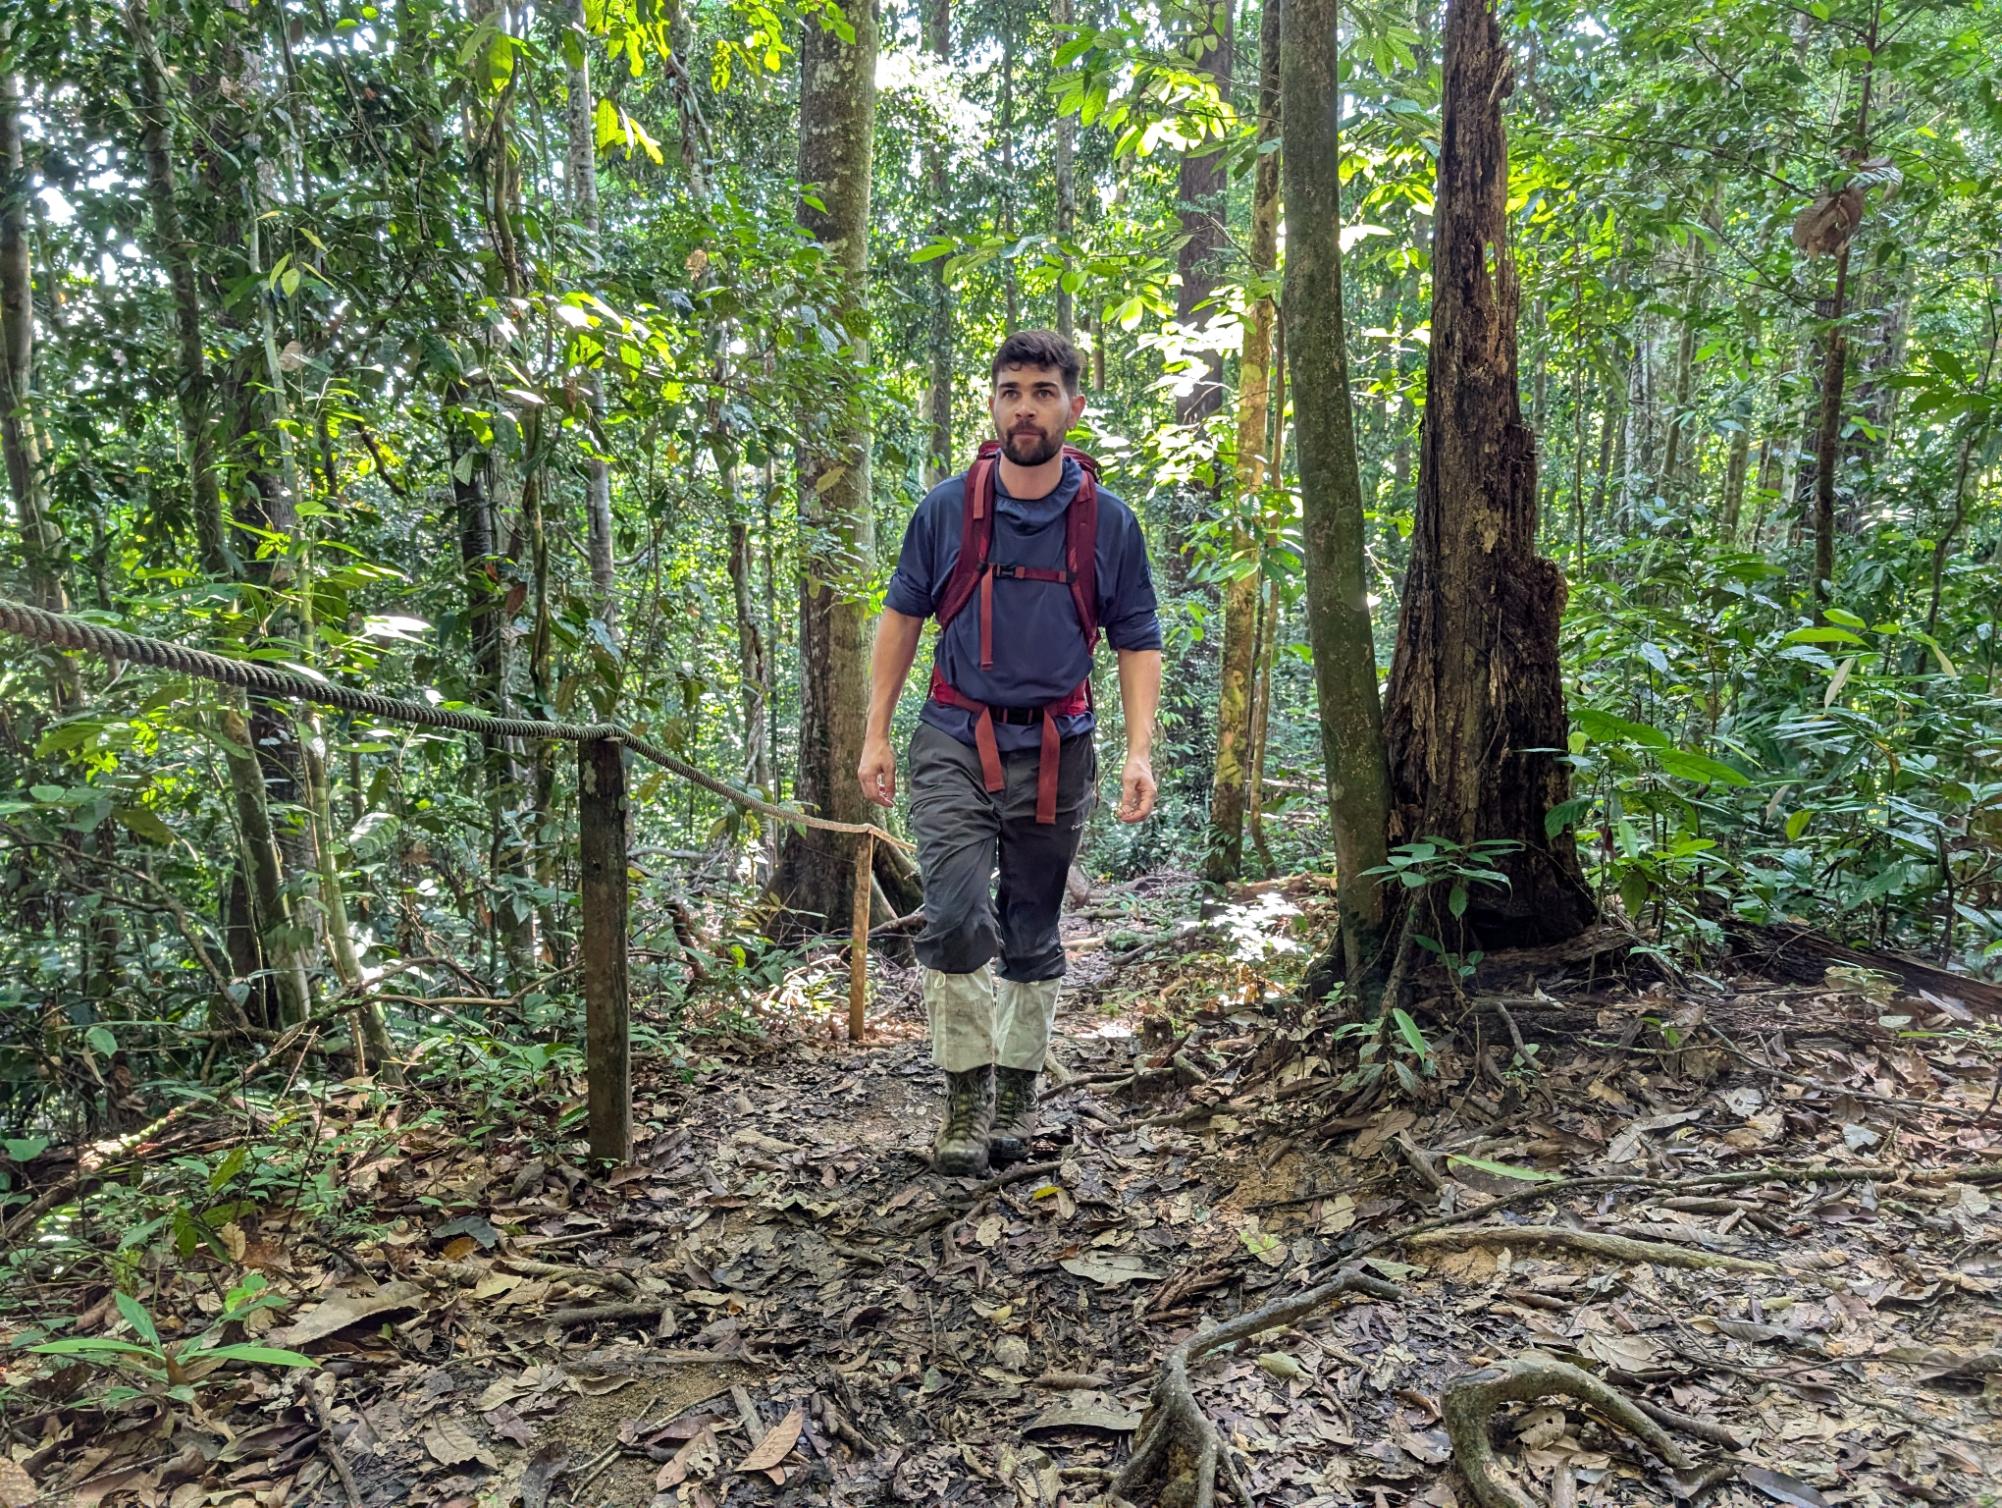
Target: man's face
1032,413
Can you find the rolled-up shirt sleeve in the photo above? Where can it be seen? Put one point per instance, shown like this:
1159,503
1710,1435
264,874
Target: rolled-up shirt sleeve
1128,611
915,580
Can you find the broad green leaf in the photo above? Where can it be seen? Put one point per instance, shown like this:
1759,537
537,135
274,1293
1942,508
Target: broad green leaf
1408,1029
269,1356
1506,1169
137,1317
1821,634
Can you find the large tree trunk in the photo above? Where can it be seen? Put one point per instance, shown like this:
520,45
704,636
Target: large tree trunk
1338,622
938,38
1203,190
837,113
269,905
1225,860
581,177
1476,702
41,541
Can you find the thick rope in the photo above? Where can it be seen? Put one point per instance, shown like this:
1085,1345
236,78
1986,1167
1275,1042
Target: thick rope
268,681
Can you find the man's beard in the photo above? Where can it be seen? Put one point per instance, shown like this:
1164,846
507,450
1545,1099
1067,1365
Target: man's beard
1031,447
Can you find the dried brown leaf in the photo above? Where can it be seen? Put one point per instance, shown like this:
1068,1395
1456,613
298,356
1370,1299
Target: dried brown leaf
337,1313
776,1445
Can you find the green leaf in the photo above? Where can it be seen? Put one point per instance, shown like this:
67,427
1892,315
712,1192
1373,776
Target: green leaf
137,1317
47,792
228,1168
90,1345
101,1040
1456,900
1413,1037
289,283
1603,727
1845,619
269,1356
1821,634
144,823
1797,822
24,1148
1686,765
1506,1169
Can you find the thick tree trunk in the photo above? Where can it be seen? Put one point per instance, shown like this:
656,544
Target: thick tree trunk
837,127
939,465
1338,621
1225,859
41,541
1203,191
1735,468
581,177
1476,702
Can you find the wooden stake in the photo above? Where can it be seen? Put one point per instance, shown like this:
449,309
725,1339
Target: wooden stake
858,940
601,788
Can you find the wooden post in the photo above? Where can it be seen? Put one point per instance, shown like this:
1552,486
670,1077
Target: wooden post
601,788
858,940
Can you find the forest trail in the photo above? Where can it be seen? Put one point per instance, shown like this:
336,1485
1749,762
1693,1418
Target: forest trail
796,1290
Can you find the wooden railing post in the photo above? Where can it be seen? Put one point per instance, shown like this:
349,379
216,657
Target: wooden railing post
858,937
601,824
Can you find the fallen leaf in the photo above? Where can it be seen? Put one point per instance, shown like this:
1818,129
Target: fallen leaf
1782,1488
450,1443
477,1226
1110,1269
776,1445
337,1313
1280,1365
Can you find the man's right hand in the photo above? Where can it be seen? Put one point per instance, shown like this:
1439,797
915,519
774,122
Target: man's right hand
878,772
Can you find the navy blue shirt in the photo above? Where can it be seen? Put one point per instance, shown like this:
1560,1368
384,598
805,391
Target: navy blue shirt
1039,649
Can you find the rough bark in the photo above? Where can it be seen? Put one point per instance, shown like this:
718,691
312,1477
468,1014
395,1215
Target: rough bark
581,178
1338,622
1475,688
1225,860
1735,467
938,38
41,540
1203,188
837,127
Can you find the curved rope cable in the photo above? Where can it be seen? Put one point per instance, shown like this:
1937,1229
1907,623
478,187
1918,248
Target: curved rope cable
64,632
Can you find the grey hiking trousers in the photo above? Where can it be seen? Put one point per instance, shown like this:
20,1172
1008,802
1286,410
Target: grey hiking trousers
964,834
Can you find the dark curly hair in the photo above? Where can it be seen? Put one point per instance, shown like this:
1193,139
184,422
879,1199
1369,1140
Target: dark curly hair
1039,348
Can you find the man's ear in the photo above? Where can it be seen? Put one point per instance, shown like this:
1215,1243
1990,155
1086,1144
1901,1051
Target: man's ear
1077,410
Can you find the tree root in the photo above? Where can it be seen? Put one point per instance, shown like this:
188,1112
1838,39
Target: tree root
1598,1243
1177,1451
1469,1404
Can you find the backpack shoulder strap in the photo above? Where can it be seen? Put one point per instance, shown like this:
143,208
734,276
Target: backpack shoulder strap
976,533
1081,546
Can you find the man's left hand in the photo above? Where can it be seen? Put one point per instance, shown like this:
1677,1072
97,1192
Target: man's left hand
1136,790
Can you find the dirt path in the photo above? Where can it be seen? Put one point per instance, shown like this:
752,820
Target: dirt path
811,1317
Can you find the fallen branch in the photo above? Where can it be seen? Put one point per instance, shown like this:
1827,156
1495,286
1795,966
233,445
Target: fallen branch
1470,1402
1598,1243
1177,1450
604,1314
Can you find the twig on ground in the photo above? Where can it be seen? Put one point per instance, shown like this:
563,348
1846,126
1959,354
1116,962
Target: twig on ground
604,1314
327,1446
970,1197
1469,1403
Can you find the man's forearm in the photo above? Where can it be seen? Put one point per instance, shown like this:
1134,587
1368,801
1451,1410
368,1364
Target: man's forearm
897,638
1139,695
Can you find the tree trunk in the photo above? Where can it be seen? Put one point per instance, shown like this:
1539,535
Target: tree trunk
1476,702
1734,479
41,541
837,115
1338,622
581,177
1066,224
938,37
1225,860
1203,190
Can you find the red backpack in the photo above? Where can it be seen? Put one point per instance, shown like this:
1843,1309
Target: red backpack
975,571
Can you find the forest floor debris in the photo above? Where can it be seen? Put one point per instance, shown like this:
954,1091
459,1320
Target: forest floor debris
777,1303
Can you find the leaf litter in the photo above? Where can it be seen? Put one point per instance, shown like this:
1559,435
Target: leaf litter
778,1303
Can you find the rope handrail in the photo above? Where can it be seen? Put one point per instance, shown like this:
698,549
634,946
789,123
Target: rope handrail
64,632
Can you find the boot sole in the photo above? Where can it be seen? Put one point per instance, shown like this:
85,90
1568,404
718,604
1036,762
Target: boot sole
967,1166
1006,1150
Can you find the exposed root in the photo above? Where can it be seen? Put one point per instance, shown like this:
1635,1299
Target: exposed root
1598,1243
1469,1404
1177,1451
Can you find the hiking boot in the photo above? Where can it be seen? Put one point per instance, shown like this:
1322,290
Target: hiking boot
960,1148
1015,1101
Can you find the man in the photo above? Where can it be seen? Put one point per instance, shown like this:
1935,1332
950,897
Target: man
1023,560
